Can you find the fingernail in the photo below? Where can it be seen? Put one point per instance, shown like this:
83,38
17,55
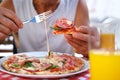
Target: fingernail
79,28
21,25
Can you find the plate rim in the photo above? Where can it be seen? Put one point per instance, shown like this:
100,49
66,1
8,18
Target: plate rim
85,68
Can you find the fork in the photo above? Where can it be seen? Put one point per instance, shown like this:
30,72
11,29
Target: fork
38,18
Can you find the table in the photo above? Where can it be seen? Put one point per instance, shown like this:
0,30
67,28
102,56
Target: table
82,76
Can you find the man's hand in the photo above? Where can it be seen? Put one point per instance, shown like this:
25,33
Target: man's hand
79,39
9,23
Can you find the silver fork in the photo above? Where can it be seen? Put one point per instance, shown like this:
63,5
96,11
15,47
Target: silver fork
38,18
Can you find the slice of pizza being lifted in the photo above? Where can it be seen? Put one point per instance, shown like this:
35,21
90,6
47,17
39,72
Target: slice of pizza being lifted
63,26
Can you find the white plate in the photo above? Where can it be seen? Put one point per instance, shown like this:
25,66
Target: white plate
42,54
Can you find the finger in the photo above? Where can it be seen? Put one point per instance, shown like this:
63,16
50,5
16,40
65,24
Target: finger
84,53
8,23
80,46
82,29
95,33
2,37
67,36
77,42
5,30
74,40
11,15
80,36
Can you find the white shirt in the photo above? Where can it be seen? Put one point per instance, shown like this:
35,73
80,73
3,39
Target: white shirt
33,37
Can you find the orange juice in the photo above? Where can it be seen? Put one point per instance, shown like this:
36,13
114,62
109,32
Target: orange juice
107,41
104,65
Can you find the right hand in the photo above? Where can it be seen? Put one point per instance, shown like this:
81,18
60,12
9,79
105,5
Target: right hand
9,23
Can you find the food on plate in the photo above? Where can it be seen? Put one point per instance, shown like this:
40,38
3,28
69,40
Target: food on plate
63,26
55,63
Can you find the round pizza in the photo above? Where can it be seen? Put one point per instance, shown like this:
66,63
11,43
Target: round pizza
53,64
63,26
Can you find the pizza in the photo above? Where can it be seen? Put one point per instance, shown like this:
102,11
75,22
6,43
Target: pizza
53,64
63,26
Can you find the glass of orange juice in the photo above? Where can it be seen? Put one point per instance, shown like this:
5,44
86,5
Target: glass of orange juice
104,59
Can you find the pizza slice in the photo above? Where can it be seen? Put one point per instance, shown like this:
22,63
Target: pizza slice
63,26
21,64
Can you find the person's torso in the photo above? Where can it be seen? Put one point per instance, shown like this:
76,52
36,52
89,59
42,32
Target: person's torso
33,37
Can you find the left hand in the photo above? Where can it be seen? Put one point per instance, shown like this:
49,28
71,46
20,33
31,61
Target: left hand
79,39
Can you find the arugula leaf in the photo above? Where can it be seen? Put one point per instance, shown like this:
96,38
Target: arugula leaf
51,67
16,65
28,64
57,28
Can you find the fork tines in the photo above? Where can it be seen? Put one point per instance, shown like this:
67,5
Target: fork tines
38,18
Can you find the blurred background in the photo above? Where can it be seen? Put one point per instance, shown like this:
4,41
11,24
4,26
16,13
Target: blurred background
100,12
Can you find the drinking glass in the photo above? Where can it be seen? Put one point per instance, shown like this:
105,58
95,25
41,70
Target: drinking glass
104,58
